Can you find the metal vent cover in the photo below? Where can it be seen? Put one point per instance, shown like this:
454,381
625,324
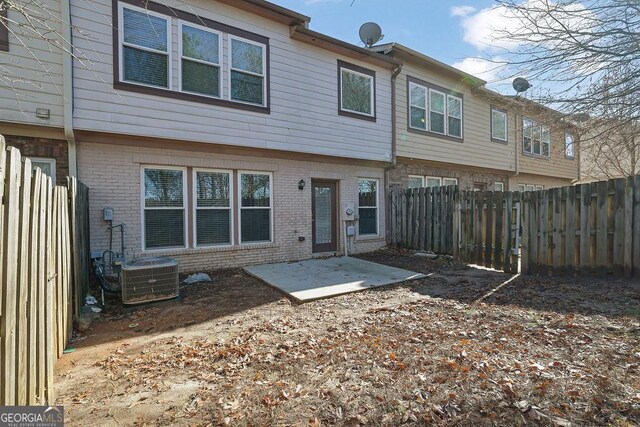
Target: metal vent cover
149,279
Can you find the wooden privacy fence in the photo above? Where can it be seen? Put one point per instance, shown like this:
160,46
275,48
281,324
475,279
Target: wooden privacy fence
587,229
422,218
489,225
43,268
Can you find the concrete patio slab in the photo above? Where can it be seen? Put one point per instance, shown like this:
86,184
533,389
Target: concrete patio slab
323,278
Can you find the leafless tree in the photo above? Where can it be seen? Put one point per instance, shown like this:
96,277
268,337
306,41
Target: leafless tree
587,54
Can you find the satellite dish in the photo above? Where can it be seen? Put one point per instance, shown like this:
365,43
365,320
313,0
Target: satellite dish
521,84
370,33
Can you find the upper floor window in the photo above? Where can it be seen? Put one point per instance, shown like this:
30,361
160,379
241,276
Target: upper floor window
536,138
434,110
200,60
498,125
357,91
144,47
569,145
4,29
247,71
147,56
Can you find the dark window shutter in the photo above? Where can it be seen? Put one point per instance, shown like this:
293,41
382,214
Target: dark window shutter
4,30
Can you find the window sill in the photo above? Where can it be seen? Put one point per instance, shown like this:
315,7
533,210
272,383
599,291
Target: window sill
357,116
435,135
209,249
499,141
185,96
536,156
369,238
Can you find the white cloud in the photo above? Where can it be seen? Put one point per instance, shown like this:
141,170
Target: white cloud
482,68
488,29
462,10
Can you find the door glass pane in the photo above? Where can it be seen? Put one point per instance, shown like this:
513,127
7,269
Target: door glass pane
323,218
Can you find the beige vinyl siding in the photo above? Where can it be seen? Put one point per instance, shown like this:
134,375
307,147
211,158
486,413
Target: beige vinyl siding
477,149
41,85
557,164
303,95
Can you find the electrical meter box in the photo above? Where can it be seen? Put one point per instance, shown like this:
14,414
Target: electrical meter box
348,212
108,214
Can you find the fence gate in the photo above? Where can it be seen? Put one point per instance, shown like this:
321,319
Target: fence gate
489,225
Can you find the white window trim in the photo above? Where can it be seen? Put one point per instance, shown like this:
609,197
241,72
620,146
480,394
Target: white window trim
195,208
424,107
427,178
506,125
181,57
568,135
422,182
49,160
542,128
459,118
240,207
371,92
444,113
230,68
377,207
498,184
449,179
122,43
184,207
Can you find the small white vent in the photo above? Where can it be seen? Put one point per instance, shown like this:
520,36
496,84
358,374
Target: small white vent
149,279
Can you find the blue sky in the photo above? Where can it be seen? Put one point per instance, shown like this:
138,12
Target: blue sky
448,31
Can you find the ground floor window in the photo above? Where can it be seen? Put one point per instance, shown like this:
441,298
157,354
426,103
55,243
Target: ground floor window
213,214
208,209
419,181
46,165
368,206
255,207
164,208
498,186
530,187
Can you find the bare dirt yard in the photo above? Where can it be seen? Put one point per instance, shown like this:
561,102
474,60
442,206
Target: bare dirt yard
437,351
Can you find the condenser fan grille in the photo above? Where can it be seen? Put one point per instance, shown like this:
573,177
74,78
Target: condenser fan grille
149,279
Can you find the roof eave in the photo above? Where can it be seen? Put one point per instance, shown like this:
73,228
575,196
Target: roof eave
324,41
271,11
420,57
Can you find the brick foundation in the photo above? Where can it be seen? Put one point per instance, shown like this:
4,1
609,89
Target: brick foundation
113,174
399,175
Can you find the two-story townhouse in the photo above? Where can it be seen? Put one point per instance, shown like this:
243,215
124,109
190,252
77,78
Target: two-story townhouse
227,133
451,130
33,111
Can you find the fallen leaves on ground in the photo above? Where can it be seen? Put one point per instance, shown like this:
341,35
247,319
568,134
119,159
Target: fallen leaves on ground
394,356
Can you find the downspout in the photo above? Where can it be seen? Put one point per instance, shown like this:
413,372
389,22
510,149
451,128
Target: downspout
515,128
67,86
393,162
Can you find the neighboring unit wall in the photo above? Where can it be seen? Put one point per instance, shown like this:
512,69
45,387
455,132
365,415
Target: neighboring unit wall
557,165
467,177
303,85
113,173
476,149
32,76
44,148
537,180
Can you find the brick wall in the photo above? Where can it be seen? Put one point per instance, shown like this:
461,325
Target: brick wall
113,174
399,175
43,147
